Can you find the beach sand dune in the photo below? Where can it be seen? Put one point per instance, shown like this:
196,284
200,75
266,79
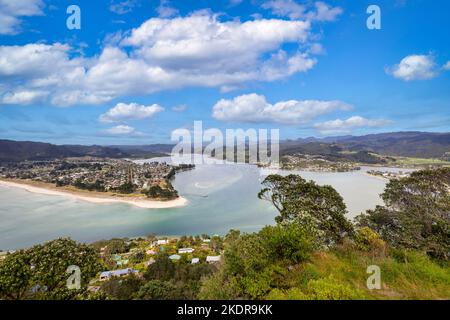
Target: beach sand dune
141,202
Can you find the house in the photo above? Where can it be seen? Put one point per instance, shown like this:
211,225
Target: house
175,257
3,255
122,262
206,240
149,262
195,260
185,250
116,257
105,275
150,252
212,259
162,242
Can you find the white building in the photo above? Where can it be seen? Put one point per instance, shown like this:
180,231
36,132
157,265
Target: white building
212,259
162,242
195,260
185,250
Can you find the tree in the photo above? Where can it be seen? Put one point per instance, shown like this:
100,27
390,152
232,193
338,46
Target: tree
156,290
51,260
305,202
44,266
15,276
122,289
292,242
116,246
416,213
162,269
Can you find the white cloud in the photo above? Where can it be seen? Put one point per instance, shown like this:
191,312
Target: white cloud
346,126
204,41
122,130
197,50
132,111
164,9
285,8
24,97
325,12
255,108
293,10
12,10
447,66
414,67
122,7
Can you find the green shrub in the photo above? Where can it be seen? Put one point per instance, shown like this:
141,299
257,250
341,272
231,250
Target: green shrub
368,240
331,289
290,294
290,242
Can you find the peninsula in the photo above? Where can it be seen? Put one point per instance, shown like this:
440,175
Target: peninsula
97,180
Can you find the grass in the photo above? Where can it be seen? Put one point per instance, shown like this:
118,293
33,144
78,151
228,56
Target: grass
341,274
420,161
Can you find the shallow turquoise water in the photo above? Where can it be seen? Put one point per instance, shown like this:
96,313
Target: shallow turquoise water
221,197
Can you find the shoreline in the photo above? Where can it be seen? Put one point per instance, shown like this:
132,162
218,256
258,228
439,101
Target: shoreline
41,188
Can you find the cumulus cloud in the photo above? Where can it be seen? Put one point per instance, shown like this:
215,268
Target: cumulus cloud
346,126
122,130
13,10
255,108
414,67
197,50
293,10
132,111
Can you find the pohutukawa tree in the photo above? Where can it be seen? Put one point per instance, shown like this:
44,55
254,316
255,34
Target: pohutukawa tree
416,213
310,205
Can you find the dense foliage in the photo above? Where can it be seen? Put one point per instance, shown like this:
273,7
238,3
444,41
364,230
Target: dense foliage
312,252
40,272
416,213
320,208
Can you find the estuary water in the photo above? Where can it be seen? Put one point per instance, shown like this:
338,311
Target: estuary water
221,197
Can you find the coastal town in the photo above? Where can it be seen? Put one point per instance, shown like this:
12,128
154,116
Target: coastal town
133,256
101,175
316,163
389,174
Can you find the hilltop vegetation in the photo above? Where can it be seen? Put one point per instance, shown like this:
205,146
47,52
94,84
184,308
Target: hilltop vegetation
312,252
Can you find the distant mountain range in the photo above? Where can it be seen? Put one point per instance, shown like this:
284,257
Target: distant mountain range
27,150
408,144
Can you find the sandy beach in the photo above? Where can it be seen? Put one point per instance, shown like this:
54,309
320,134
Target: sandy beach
93,197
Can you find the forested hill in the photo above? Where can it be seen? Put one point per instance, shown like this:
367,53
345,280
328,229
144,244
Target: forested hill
27,150
407,144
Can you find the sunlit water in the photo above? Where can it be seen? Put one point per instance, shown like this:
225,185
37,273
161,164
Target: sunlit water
221,197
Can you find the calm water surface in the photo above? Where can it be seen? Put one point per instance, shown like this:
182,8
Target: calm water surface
221,197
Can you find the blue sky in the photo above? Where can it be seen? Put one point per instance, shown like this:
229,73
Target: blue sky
136,70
